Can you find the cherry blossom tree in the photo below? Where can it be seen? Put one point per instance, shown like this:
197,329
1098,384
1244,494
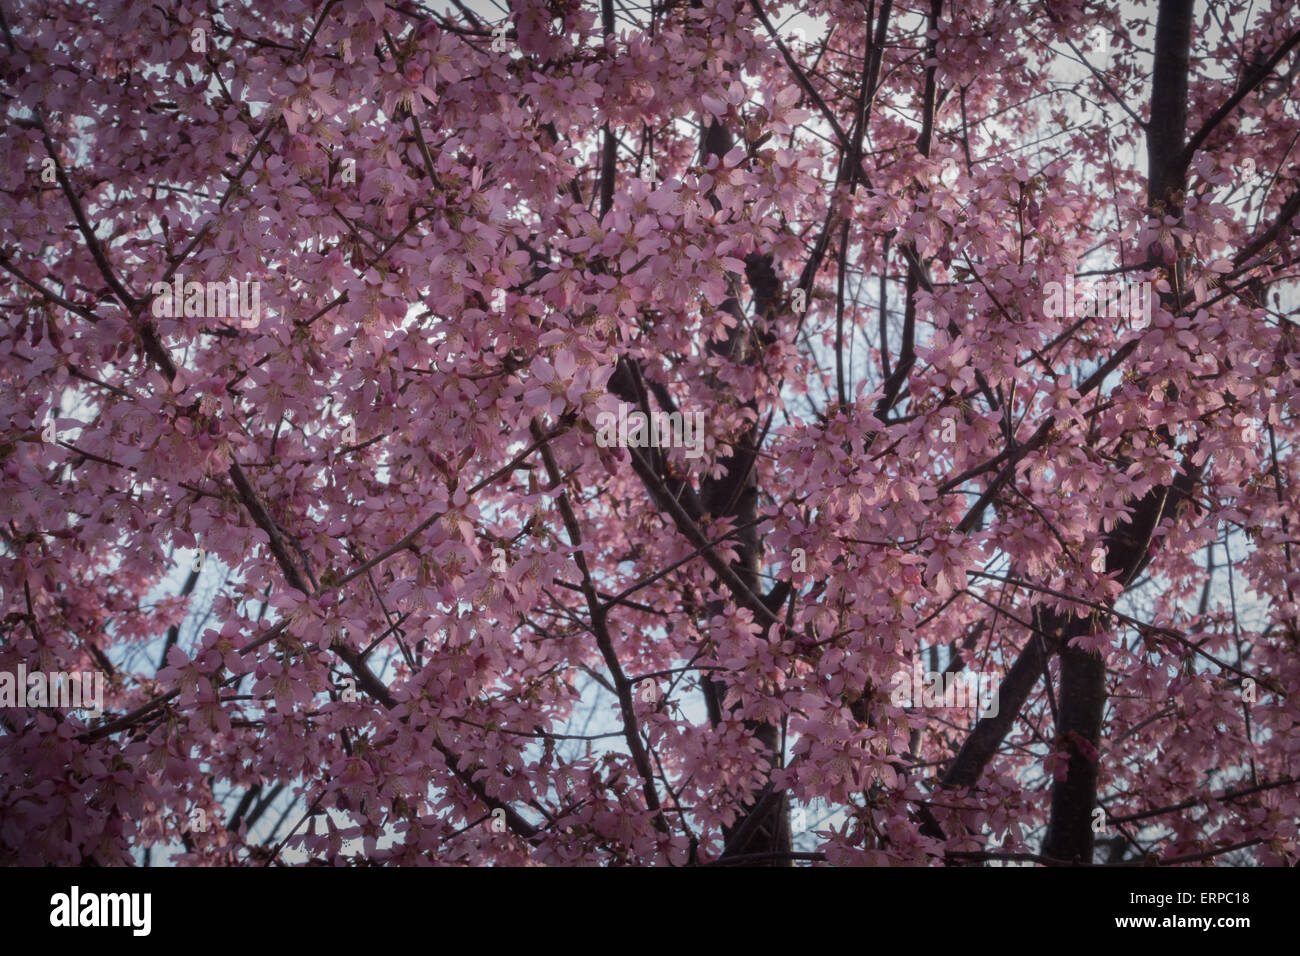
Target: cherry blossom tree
313,312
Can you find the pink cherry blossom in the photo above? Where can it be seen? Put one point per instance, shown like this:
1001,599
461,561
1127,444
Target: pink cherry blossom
363,560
